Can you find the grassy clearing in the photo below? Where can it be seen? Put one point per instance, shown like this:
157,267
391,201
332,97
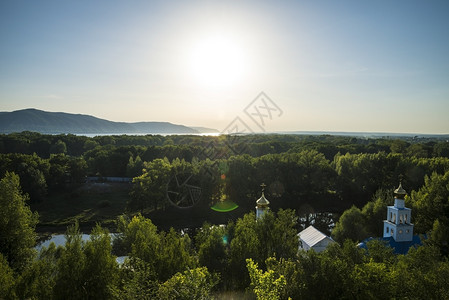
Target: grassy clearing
89,204
102,203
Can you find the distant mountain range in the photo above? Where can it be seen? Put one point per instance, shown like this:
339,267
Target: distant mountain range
59,122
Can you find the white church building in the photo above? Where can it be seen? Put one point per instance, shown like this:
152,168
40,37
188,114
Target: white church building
397,224
398,229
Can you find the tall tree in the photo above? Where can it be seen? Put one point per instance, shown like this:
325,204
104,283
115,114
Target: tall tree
211,247
17,223
350,226
6,279
265,284
37,280
431,202
69,282
164,253
193,284
86,269
260,239
101,268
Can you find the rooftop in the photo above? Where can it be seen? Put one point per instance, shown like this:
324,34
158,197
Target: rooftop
312,236
398,247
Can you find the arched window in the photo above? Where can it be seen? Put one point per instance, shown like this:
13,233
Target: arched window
386,230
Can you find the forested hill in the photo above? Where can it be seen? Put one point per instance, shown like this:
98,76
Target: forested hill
58,122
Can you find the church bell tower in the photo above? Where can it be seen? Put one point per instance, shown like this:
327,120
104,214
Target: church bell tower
398,223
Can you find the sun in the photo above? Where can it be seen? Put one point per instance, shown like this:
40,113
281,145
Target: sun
218,61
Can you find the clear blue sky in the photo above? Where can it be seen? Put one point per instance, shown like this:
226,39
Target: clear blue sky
379,66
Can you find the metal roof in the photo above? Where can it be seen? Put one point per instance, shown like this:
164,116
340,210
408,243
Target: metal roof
312,236
398,247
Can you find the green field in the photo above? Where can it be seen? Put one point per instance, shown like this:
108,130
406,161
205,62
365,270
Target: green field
102,203
90,203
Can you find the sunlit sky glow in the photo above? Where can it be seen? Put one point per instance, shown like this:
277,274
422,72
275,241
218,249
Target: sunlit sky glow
377,66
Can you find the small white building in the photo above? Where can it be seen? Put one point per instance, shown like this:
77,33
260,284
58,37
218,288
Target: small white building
312,238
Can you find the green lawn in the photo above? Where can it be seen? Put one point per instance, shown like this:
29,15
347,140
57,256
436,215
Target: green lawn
102,203
89,204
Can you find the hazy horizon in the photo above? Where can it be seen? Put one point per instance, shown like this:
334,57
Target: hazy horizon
325,66
218,131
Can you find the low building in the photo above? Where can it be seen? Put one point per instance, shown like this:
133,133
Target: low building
312,238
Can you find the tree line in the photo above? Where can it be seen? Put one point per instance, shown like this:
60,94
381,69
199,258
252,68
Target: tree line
253,145
353,168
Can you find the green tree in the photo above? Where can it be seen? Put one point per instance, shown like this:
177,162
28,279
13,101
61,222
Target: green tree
375,211
421,273
379,252
137,237
350,226
134,167
294,275
77,168
398,146
149,189
101,268
7,280
17,223
58,170
266,285
318,270
174,254
439,236
86,270
277,234
260,239
70,280
441,149
418,150
245,244
211,247
165,253
372,281
90,144
58,148
431,202
37,280
189,285
138,280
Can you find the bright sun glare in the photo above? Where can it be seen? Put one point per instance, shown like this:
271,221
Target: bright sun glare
218,62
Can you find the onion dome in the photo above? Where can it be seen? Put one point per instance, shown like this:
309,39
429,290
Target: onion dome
262,201
400,192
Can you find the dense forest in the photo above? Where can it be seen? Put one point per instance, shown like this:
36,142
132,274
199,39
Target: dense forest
339,184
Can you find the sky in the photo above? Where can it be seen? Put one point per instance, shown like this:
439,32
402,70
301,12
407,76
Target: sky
357,66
